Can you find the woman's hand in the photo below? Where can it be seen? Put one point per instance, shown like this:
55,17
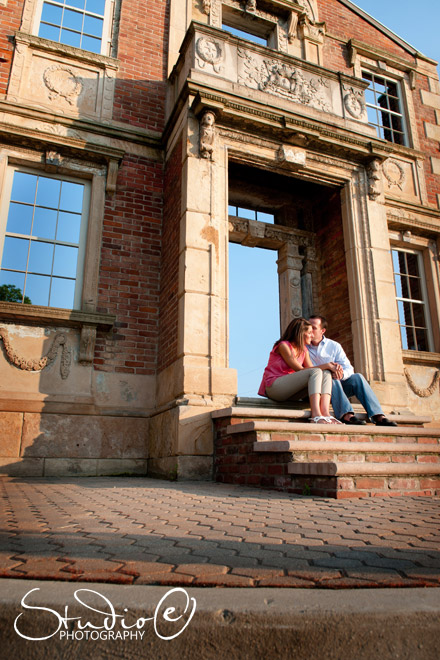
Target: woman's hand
335,368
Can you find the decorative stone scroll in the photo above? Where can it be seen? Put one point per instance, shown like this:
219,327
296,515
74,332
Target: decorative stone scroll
61,81
423,392
207,134
39,364
206,6
280,79
209,51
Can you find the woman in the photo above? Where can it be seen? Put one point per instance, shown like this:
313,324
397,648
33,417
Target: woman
290,370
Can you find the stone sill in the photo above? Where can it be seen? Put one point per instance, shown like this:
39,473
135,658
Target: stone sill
55,316
421,357
39,43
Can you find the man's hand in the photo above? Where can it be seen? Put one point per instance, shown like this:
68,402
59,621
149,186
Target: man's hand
337,370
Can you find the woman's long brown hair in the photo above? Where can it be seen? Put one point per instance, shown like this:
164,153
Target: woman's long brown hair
295,334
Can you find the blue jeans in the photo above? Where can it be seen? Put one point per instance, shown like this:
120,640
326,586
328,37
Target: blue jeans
357,386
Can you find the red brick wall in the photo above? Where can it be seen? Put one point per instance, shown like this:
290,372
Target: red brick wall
130,268
142,50
10,19
428,146
345,24
334,302
170,260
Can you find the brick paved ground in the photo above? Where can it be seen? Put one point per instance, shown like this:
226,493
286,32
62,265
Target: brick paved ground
145,531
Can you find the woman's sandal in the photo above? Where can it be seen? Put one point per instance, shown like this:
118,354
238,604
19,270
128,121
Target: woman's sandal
333,420
315,420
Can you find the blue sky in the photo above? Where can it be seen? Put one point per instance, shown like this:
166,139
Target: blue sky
253,309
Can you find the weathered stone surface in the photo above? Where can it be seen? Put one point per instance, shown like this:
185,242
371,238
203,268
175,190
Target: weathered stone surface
10,433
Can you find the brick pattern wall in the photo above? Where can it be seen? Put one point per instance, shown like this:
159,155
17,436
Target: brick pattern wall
142,50
427,115
333,294
170,259
10,19
343,23
130,268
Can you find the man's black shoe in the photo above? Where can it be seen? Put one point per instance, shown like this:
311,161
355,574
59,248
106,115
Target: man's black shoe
353,420
384,422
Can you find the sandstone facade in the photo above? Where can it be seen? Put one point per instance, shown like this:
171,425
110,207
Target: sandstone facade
315,113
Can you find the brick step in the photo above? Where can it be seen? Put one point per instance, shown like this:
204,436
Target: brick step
327,460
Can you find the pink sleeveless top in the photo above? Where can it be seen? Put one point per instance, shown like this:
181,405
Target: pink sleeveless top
277,367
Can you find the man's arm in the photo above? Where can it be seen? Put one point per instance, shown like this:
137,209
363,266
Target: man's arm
339,356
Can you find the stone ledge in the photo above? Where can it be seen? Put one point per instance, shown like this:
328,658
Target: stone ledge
346,447
334,469
325,429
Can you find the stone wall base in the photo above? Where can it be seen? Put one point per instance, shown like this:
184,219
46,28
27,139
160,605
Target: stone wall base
45,444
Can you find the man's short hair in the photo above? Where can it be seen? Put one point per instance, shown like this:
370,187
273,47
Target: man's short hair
324,323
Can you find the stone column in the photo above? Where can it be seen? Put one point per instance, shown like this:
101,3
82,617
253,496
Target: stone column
289,277
376,340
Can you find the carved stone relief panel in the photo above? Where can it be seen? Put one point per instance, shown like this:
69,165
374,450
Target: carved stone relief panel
401,179
289,82
60,82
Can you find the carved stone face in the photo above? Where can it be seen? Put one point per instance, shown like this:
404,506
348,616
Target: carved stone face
208,119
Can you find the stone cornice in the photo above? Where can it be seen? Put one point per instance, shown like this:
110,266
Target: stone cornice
54,316
55,125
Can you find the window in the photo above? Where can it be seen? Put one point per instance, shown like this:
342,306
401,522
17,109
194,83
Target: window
44,230
251,214
243,34
384,107
411,300
79,23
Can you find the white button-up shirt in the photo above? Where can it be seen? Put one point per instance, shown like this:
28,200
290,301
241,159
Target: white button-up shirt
330,351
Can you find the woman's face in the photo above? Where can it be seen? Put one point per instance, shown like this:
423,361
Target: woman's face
308,335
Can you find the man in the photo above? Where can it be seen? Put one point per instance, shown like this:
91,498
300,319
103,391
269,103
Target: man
346,382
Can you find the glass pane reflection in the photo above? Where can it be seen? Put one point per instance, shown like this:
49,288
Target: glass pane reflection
48,193
62,293
23,188
65,261
69,225
19,219
72,197
45,223
15,253
37,288
41,257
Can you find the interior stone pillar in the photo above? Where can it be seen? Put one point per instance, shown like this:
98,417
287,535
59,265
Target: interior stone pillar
289,277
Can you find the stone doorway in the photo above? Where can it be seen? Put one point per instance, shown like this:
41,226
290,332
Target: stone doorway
302,221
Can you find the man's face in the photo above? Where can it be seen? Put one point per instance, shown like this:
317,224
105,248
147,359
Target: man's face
318,332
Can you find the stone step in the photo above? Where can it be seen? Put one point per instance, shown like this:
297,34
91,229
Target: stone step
329,460
281,412
346,431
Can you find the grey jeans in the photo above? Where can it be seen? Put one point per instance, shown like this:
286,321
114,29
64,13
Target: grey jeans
317,381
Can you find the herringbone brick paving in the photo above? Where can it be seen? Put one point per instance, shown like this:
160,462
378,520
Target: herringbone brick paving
147,531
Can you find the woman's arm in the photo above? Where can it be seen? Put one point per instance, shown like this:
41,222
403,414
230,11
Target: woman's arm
288,355
334,367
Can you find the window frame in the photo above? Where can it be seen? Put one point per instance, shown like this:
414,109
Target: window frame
4,213
106,41
424,300
402,106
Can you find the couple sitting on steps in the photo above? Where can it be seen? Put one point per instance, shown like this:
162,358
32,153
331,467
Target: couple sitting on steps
303,358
